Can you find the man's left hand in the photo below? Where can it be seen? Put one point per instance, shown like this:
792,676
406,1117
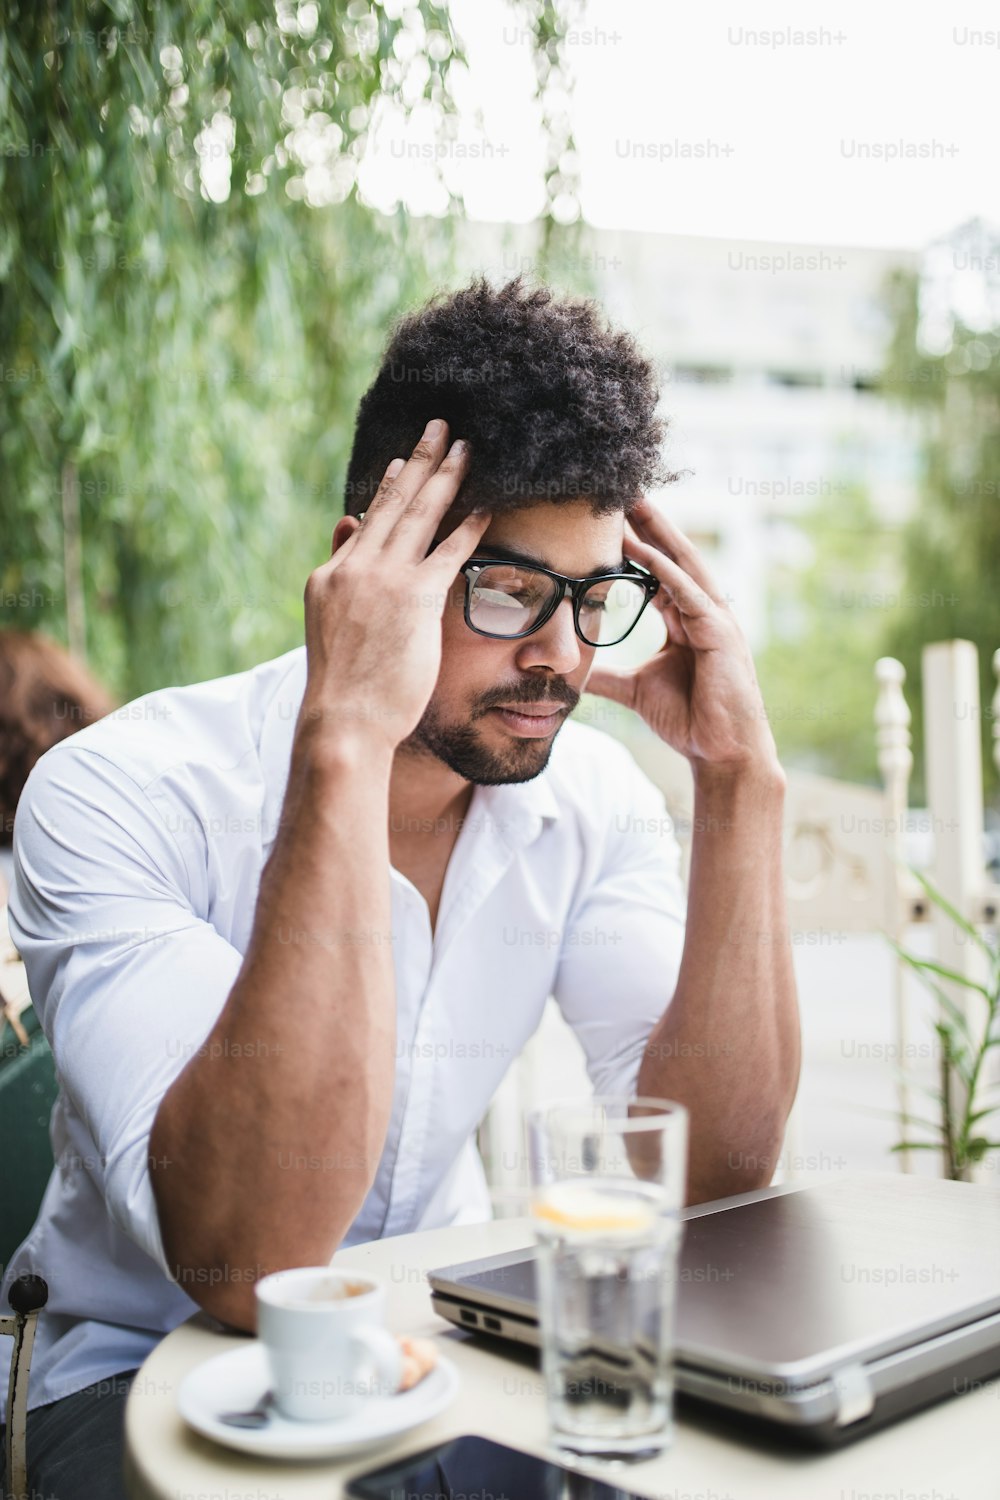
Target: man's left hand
699,692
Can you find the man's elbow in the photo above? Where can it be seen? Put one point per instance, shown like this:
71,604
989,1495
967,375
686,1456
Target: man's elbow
745,1160
220,1272
740,1172
220,1294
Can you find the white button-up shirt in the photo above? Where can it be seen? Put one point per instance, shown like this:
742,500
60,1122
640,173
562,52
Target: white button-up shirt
139,848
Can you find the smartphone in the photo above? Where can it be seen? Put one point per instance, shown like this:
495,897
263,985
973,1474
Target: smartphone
476,1466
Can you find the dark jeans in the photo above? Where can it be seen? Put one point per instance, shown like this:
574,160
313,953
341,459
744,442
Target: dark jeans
76,1445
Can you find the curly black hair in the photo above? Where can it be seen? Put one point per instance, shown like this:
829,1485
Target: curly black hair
554,403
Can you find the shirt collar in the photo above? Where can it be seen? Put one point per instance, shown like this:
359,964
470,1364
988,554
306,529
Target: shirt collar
515,811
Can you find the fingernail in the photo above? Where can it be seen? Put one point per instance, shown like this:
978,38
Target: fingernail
457,448
394,467
433,428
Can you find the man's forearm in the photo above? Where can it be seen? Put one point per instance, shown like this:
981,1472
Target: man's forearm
728,1045
298,1069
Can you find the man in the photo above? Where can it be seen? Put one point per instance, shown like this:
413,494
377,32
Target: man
283,929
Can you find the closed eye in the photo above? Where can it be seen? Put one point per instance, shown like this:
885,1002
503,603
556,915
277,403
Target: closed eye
501,596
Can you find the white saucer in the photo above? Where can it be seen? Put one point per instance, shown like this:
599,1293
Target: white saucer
236,1381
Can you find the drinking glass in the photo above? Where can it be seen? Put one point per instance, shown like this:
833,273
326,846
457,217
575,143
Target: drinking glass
608,1182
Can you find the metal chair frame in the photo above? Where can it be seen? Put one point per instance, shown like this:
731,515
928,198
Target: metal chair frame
27,1296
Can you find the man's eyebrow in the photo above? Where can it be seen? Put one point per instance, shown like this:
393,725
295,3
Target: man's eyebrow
532,559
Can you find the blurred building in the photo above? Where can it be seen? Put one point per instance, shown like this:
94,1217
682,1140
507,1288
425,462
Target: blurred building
770,356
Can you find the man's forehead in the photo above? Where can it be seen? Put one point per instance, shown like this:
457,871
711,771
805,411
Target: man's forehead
568,538
558,560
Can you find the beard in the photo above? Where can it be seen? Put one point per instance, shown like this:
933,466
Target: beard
463,750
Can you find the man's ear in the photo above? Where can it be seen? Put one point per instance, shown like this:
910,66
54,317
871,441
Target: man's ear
345,527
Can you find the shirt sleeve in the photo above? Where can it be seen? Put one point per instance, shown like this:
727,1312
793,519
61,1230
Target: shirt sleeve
622,947
126,978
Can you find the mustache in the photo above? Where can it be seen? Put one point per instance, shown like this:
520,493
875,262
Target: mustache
554,691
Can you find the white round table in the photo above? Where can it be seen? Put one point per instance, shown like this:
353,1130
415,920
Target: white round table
945,1453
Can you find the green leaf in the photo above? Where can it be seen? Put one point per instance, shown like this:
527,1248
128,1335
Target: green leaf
952,975
925,1089
980,1114
918,1120
957,1057
943,904
957,1016
945,1001
977,1148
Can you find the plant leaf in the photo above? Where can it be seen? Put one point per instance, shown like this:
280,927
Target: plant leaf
956,1057
958,1017
944,1000
941,901
943,972
980,1114
934,1125
976,1148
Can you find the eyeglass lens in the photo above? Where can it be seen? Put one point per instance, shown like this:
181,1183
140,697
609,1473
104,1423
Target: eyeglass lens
507,599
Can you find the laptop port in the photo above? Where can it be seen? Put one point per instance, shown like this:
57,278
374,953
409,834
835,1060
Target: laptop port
467,1316
493,1324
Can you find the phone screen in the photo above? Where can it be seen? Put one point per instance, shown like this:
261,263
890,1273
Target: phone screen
474,1468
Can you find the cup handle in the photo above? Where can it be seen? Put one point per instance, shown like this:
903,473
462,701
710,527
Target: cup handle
385,1355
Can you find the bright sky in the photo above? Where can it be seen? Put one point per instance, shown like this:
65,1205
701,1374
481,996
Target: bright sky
881,130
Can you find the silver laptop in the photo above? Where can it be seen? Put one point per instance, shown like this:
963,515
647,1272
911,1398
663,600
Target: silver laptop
830,1309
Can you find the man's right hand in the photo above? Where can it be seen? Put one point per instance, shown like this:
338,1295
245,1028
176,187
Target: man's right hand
373,612
315,993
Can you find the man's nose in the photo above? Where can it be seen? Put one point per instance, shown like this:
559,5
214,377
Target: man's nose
556,646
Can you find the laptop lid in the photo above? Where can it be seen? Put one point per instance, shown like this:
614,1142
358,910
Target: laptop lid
789,1288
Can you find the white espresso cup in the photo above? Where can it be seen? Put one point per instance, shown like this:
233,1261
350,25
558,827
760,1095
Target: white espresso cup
326,1341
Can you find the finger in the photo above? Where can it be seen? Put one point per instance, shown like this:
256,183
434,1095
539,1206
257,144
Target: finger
394,494
395,467
459,545
652,526
415,528
673,622
613,683
351,540
689,597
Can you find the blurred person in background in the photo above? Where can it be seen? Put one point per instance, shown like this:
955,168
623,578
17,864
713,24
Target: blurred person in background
45,695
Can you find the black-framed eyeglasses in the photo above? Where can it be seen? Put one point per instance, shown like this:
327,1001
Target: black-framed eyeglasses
507,600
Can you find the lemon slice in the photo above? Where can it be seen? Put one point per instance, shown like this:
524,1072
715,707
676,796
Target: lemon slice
574,1206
